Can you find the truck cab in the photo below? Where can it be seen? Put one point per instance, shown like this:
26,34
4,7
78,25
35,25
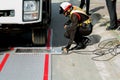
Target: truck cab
26,15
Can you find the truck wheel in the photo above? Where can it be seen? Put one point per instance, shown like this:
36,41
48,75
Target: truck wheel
39,36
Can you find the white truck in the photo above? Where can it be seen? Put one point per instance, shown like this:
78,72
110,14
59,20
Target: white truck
26,15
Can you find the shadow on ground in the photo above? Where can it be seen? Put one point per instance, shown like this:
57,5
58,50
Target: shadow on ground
95,17
14,40
96,9
94,39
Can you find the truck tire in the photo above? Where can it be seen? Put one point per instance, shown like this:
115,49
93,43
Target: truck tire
39,37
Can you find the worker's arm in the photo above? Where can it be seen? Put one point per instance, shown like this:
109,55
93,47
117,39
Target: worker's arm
68,22
72,30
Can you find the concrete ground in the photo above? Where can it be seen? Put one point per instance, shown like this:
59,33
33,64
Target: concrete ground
100,60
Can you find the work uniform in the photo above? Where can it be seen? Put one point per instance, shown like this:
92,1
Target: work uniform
111,5
82,3
80,27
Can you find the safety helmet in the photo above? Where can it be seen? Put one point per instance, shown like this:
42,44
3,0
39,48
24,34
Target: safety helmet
64,7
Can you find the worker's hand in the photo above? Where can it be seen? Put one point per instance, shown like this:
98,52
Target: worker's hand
65,50
65,26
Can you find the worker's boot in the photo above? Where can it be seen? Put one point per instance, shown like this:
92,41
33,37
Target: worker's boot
79,46
86,40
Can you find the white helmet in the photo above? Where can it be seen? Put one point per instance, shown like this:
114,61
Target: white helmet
64,7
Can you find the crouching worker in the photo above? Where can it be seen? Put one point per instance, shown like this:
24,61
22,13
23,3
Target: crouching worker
77,27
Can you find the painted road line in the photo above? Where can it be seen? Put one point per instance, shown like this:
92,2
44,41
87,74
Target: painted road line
48,39
5,58
46,63
46,67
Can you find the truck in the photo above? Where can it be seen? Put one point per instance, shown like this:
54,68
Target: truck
21,16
